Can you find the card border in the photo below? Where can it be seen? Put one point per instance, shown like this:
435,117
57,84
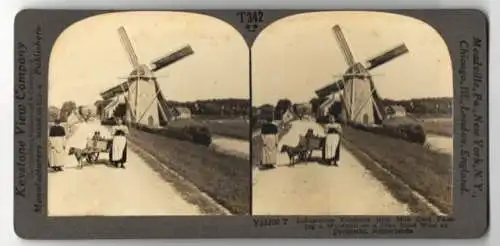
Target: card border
470,218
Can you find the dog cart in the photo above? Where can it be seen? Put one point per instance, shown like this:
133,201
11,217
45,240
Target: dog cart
96,146
311,143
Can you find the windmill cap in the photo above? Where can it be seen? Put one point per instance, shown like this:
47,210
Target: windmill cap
142,71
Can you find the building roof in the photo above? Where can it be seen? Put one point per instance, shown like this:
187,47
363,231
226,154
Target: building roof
183,110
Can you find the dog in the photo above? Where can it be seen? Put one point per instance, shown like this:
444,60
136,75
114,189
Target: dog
79,154
293,152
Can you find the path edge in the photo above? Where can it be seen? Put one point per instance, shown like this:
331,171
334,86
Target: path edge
202,200
395,179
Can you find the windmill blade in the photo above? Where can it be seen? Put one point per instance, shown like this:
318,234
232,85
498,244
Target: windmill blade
128,47
387,56
330,88
344,47
171,58
117,89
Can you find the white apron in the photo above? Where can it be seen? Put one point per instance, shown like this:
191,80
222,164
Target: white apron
331,143
119,144
57,153
269,153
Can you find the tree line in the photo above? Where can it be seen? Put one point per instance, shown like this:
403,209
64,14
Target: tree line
214,107
241,107
418,106
424,106
223,107
84,111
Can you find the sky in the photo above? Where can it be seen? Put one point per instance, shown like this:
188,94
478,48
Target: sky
88,56
296,55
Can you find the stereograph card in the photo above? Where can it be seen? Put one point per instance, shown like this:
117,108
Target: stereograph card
251,123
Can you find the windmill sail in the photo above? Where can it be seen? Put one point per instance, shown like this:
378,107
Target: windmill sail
330,88
128,47
344,47
171,58
387,56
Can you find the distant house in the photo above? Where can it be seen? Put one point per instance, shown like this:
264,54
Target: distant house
395,111
182,113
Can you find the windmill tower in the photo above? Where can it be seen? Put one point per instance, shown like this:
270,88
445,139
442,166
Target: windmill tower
356,89
145,103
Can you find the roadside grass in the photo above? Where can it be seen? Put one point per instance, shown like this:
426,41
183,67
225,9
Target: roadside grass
425,171
223,177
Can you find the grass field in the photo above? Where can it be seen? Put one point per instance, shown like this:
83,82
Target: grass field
225,178
423,170
232,128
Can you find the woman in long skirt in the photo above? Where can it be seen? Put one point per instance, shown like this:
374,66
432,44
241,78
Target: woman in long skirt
118,152
331,151
269,151
57,146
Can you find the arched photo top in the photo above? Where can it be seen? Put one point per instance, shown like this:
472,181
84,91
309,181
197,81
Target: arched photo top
299,54
89,58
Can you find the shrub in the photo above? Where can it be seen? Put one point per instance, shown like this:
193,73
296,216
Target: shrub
196,134
406,128
400,127
199,134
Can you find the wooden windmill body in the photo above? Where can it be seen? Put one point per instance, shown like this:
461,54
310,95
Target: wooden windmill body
356,90
145,102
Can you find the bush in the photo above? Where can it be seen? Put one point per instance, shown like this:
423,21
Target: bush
199,134
196,134
406,128
410,132
400,127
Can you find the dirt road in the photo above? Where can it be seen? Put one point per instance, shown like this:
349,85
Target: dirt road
231,146
315,189
440,143
107,191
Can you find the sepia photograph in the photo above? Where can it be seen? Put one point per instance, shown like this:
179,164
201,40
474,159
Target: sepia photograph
149,115
351,115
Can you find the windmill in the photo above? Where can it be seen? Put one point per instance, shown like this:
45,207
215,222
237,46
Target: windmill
356,90
140,94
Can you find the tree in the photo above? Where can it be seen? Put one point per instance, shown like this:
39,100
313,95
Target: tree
86,112
53,113
281,107
66,109
266,112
